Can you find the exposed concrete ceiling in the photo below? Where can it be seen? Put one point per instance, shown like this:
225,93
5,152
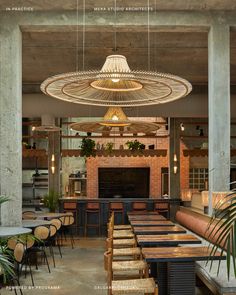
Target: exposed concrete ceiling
53,50
46,5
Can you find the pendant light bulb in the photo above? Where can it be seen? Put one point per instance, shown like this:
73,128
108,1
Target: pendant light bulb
115,80
175,169
115,118
53,158
175,158
53,169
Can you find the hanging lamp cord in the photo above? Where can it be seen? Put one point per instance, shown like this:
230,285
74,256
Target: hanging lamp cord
77,37
148,34
84,27
115,46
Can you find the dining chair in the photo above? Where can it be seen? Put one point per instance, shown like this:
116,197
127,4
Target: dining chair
66,223
128,286
42,234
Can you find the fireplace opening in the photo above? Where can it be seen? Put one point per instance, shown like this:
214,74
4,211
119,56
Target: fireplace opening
123,182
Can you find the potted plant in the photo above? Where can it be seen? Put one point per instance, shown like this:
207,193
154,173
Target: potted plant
51,200
87,148
135,145
109,147
6,265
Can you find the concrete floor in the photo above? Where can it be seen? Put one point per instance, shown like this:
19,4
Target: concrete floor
79,272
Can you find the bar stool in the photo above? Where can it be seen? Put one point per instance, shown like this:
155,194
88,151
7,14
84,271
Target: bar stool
72,207
92,208
139,206
117,208
162,207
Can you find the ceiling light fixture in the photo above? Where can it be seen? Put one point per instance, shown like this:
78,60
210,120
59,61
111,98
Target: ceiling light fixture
116,85
116,122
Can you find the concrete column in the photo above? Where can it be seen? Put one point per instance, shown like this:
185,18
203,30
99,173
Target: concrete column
174,149
219,109
11,123
54,148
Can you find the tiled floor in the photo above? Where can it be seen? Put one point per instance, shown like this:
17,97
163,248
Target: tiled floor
79,272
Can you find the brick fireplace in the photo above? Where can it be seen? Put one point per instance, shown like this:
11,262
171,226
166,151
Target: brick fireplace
154,163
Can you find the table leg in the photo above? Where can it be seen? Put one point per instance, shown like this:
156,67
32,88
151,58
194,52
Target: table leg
181,278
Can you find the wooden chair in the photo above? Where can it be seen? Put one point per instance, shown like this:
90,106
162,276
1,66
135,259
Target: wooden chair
55,239
92,209
42,233
22,259
127,286
123,238
117,226
117,208
161,208
131,253
29,215
71,207
66,223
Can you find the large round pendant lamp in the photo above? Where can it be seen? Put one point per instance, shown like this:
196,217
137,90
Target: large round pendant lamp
116,85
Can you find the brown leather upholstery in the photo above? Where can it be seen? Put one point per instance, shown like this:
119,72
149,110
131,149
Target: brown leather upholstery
92,206
198,224
140,206
70,205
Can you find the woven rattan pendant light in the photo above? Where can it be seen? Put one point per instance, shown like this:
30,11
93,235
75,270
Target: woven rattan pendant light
116,84
115,122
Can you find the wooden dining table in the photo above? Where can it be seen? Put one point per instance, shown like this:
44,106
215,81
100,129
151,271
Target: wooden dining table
151,223
175,267
143,217
166,240
155,230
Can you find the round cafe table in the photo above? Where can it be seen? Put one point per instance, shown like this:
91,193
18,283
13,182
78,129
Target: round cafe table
50,215
10,231
30,223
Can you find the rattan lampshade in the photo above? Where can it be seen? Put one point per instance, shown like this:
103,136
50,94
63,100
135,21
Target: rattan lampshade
115,122
48,124
116,85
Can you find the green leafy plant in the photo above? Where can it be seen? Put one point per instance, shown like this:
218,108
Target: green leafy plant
6,265
222,227
4,199
135,145
87,148
109,146
51,200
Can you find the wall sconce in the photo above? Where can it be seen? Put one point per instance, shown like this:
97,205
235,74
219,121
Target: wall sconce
182,128
53,164
175,164
175,158
53,169
175,169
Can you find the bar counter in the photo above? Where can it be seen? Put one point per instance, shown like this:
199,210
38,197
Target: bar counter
77,205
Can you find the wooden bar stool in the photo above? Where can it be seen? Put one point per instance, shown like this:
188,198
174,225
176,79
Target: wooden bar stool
117,208
72,207
139,206
162,207
92,209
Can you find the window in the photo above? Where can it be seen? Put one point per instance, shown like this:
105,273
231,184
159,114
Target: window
198,177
